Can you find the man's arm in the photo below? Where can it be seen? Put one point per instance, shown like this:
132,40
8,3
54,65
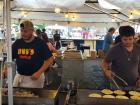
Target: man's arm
43,68
106,69
138,80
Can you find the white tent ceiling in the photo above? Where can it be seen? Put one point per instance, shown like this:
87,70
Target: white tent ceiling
49,3
126,4
84,13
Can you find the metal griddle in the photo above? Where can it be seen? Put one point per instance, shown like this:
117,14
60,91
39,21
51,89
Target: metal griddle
45,97
83,99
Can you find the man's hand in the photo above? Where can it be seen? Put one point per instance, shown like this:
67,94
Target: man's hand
138,83
35,76
108,74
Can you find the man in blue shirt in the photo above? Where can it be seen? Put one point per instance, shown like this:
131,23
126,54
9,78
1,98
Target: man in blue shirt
108,40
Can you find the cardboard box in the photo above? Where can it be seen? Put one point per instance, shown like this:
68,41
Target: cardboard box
101,54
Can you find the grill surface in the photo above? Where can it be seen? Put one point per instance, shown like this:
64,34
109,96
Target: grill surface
45,97
83,99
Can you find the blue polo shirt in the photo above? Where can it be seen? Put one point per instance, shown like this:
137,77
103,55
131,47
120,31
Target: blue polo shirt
107,42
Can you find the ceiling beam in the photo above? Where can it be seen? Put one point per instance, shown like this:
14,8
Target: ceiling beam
89,1
66,12
121,13
64,21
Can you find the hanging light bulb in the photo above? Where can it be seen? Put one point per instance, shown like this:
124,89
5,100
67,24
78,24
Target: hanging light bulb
131,16
56,25
24,13
115,15
66,15
113,19
57,10
73,17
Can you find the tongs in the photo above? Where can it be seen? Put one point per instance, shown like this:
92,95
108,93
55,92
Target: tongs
118,77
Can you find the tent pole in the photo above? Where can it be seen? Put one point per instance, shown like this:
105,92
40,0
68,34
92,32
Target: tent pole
1,62
9,51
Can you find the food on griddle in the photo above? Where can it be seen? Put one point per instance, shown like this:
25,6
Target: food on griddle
134,93
135,97
119,92
107,91
121,97
24,94
95,95
108,96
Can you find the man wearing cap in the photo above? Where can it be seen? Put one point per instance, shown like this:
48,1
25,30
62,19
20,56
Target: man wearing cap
123,60
32,58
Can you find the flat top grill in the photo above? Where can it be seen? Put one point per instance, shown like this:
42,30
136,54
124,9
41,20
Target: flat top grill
42,97
84,99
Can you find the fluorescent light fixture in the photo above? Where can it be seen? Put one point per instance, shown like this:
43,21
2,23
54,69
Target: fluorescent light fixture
107,5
